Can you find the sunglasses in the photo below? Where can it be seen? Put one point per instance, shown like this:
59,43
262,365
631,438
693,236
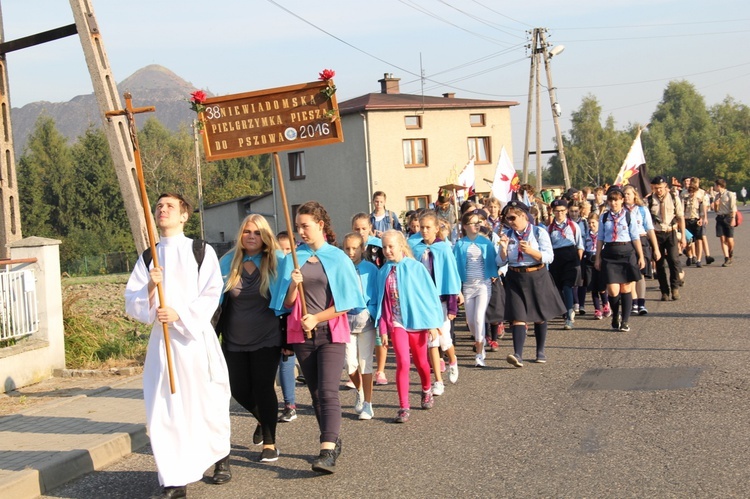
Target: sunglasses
561,211
510,218
255,232
474,223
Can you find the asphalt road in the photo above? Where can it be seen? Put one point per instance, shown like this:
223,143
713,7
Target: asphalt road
661,411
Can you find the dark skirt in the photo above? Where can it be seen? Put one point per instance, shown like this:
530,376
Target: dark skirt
566,267
496,307
531,297
591,277
619,264
647,256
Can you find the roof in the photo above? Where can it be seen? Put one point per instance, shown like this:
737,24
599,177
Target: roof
395,102
242,199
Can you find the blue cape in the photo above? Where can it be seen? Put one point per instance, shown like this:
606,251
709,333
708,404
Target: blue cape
447,278
488,253
339,269
368,275
417,296
226,262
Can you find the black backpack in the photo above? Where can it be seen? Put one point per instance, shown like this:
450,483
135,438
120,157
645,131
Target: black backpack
199,252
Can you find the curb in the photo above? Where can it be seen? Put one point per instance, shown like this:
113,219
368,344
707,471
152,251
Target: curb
67,466
59,470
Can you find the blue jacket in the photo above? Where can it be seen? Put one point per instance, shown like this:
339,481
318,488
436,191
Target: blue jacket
417,296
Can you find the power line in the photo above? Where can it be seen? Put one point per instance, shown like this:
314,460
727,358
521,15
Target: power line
502,29
446,21
503,15
630,38
654,25
657,79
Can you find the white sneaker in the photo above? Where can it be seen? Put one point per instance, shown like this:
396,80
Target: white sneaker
479,360
359,401
453,373
438,388
367,412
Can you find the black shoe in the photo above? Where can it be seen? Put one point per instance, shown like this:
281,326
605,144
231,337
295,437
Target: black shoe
288,415
616,322
269,455
710,260
624,327
727,262
337,449
258,435
325,462
222,473
173,492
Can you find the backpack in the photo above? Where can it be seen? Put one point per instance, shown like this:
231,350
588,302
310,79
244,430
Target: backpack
199,252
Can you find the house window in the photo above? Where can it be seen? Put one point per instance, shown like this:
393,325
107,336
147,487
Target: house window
413,122
479,147
296,165
415,152
221,237
477,119
417,202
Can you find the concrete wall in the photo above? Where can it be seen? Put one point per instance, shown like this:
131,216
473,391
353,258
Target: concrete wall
33,359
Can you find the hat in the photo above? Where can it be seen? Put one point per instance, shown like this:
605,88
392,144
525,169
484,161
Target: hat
617,189
559,202
515,204
659,179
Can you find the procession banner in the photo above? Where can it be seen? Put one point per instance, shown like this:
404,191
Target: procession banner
271,120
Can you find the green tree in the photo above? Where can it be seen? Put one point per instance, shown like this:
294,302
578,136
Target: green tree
679,130
727,152
44,181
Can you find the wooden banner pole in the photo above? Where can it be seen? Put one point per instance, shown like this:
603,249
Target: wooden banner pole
128,112
289,227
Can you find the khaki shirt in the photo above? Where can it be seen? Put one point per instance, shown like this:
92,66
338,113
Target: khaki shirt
665,212
727,203
694,204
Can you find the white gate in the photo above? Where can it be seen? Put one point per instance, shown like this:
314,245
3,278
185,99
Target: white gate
19,313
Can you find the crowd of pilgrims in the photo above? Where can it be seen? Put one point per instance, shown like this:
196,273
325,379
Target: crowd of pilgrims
344,302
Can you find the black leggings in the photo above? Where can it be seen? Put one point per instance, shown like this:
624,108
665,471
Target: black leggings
251,378
322,362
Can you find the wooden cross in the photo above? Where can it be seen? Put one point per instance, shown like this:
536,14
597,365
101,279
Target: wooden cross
129,113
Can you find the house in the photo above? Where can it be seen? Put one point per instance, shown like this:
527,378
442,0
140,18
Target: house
405,145
221,221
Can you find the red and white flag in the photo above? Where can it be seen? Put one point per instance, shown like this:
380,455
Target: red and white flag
467,179
506,180
633,169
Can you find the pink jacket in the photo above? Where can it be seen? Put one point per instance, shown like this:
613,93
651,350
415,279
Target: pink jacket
294,334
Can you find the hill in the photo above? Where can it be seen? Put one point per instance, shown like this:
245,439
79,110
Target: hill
152,85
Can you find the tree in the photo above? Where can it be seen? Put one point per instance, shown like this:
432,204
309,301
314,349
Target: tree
44,181
679,130
593,152
727,153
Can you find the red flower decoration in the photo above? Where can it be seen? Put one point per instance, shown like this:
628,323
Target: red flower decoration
326,74
198,97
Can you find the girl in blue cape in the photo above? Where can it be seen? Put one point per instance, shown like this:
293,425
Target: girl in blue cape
409,311
331,289
437,257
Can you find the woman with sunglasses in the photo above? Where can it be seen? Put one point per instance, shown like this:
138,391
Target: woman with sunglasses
475,257
530,293
567,245
251,337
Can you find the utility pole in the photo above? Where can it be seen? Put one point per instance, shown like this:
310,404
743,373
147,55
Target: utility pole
115,128
539,54
10,214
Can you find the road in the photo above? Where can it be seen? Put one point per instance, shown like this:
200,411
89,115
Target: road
661,411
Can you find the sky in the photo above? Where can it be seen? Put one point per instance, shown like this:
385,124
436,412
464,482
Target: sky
624,53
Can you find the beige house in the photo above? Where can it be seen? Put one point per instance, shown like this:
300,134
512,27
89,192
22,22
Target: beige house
405,145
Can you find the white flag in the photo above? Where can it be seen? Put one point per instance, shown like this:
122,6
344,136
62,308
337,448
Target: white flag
466,178
506,180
